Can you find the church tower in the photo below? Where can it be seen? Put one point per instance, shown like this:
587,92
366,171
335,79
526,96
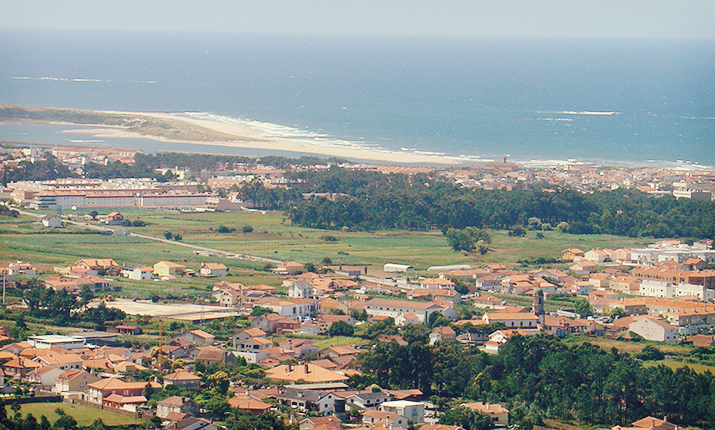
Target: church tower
538,306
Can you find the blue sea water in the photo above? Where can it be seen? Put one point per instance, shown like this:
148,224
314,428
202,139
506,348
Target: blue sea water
610,101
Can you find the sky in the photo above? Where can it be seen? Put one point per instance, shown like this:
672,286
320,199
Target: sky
512,18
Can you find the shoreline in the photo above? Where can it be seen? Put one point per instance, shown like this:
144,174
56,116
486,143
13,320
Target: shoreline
206,129
239,135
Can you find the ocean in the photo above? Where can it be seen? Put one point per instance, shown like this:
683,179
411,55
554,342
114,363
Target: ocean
537,101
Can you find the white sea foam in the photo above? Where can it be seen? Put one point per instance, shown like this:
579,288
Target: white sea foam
60,79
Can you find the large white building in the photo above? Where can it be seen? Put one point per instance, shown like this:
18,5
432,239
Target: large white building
666,290
396,308
53,340
655,329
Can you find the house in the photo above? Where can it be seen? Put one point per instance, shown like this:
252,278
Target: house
626,284
442,334
176,404
328,422
497,412
213,269
137,272
655,329
267,322
52,221
500,337
98,390
296,308
701,340
339,351
20,367
289,268
74,381
127,330
183,379
44,376
327,320
61,361
128,403
413,411
253,349
114,218
103,266
487,301
247,333
169,268
248,403
437,284
390,420
404,320
600,281
209,354
20,268
597,256
316,401
300,347
196,337
582,267
571,254
309,373
363,400
394,308
523,320
301,290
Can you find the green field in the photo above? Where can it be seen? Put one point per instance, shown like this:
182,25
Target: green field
273,237
85,415
625,346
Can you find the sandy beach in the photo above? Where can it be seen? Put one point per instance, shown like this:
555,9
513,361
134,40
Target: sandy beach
200,131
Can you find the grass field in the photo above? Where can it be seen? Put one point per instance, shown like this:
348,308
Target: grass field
624,346
85,415
273,236
700,368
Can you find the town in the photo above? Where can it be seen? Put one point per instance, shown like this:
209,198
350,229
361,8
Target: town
187,342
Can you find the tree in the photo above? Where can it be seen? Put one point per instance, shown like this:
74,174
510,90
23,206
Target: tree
341,328
467,418
618,313
437,319
583,308
168,235
94,215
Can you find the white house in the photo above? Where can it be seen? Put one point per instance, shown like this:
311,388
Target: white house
396,308
413,411
213,269
52,221
138,272
654,329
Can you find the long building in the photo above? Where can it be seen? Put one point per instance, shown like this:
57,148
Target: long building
118,199
706,278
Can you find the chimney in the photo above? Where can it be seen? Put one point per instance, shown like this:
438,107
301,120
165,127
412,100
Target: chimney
290,368
306,369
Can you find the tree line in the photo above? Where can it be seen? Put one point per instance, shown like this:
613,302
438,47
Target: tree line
538,376
373,201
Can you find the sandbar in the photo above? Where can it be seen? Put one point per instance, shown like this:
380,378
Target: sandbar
202,131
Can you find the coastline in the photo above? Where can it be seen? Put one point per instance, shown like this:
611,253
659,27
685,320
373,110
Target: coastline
239,135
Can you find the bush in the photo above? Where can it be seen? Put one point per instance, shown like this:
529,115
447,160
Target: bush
247,229
138,223
328,238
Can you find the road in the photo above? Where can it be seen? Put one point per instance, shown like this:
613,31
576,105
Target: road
203,249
